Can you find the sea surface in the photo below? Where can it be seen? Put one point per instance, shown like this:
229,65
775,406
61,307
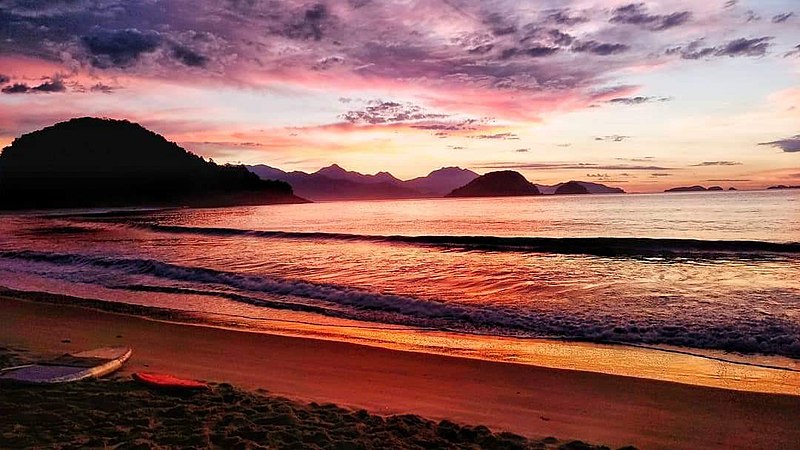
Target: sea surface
715,271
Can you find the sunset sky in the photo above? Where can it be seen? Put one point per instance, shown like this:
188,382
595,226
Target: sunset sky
639,95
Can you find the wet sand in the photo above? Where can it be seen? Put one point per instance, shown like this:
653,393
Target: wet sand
528,400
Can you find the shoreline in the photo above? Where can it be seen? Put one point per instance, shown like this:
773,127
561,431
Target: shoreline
525,399
694,367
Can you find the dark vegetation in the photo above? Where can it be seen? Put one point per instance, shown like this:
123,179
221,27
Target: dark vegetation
571,187
502,183
89,162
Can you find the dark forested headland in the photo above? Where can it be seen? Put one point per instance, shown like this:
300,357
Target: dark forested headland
88,162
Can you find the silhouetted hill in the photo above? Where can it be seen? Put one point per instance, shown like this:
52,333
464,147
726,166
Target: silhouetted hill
442,181
335,172
335,183
571,187
592,188
503,183
783,186
103,162
316,186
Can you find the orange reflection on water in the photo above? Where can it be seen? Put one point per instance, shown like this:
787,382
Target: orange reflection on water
765,374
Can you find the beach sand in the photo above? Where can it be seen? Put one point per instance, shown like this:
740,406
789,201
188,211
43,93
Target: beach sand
528,400
125,415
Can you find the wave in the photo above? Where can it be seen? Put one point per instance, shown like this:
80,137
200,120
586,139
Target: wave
597,246
752,334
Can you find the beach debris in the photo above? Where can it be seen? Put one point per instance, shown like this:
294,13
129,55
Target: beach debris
167,381
70,367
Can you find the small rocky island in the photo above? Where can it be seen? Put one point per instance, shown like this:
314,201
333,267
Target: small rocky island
504,183
571,188
694,189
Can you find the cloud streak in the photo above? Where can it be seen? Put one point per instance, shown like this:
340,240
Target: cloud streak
789,145
572,166
637,14
752,47
717,163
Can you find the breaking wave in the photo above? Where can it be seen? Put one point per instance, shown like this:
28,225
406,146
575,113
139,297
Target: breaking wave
597,246
768,334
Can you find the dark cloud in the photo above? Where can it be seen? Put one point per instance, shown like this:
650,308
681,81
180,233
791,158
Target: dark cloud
462,125
539,51
382,112
751,16
612,138
500,136
780,18
54,85
734,48
100,87
119,48
513,49
327,63
4,79
499,25
794,51
656,175
359,3
564,17
636,14
16,88
790,144
745,47
717,163
310,25
522,150
481,49
599,48
560,38
638,100
730,3
188,56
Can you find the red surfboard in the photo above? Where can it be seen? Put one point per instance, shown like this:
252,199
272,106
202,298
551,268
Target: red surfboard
167,381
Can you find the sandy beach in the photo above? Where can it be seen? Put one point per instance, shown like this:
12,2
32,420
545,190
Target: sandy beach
531,401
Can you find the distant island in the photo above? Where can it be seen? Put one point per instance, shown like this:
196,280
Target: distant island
695,189
783,186
591,188
89,162
570,188
336,183
504,183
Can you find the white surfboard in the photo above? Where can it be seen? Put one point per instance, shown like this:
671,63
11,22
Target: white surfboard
72,367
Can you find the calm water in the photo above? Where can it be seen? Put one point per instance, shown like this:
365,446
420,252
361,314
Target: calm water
404,267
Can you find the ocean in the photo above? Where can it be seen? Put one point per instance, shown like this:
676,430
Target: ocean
707,273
